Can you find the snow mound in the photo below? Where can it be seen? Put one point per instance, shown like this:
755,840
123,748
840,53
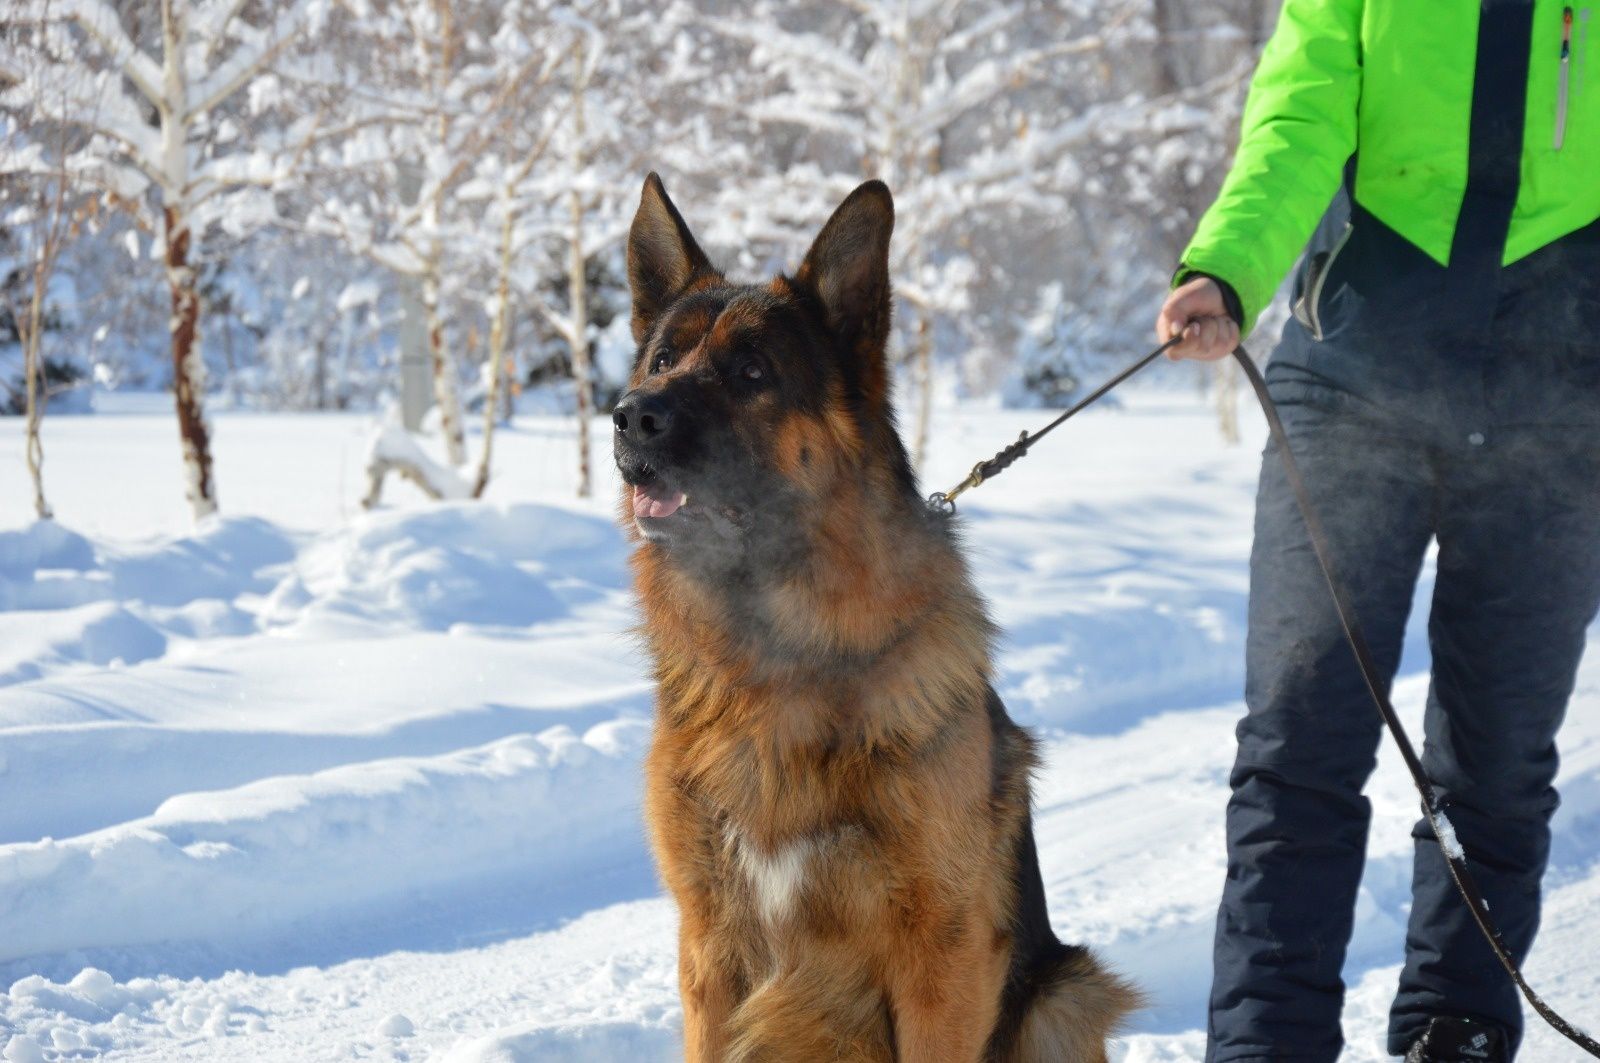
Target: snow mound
419,585
44,566
432,570
251,861
91,996
102,633
65,601
521,532
223,560
93,1014
42,544
527,998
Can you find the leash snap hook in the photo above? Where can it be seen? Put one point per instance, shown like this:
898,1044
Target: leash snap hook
944,502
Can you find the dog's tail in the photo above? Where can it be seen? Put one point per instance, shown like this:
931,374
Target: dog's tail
1060,1004
1066,1010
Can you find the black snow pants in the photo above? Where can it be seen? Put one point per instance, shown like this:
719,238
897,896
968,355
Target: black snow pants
1487,441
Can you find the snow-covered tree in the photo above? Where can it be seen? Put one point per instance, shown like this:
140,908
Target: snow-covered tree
39,206
526,201
592,179
439,86
937,98
1048,159
566,200
147,87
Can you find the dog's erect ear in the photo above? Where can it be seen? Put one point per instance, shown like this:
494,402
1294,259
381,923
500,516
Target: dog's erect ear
662,257
848,269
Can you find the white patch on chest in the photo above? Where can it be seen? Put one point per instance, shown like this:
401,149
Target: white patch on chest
775,878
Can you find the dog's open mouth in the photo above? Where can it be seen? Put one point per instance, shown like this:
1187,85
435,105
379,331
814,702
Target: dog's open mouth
656,501
662,509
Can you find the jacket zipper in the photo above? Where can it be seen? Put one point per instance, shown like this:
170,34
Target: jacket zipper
1314,297
1566,77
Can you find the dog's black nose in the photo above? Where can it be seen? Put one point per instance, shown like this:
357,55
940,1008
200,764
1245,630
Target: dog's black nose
642,418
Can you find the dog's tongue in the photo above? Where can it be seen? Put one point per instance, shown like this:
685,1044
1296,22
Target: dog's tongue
656,501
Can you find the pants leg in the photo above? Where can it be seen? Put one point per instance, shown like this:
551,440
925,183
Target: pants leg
1297,822
1518,584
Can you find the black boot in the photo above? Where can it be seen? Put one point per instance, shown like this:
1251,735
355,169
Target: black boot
1459,1041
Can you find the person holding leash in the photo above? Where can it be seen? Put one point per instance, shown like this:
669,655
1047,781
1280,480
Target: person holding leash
1440,380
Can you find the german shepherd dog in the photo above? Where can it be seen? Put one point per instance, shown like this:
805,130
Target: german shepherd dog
835,795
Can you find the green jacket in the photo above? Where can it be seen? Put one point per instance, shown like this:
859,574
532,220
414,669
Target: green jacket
1394,79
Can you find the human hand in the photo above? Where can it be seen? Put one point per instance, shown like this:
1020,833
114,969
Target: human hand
1196,311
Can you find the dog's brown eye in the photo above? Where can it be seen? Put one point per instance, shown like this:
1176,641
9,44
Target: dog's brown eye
751,371
659,363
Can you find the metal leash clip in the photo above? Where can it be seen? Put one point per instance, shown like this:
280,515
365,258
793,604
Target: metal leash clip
944,502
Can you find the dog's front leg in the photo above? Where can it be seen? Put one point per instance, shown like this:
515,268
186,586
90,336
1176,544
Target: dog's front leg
707,986
685,841
944,986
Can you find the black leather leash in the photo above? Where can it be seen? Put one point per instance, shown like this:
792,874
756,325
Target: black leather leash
1450,846
945,501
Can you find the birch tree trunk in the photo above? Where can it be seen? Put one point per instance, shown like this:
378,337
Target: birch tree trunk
319,376
445,390
578,291
578,337
508,384
235,397
923,359
188,366
497,344
32,370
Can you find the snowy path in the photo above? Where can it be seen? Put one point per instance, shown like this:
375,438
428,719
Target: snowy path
387,764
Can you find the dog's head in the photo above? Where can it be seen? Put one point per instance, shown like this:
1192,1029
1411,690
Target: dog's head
750,406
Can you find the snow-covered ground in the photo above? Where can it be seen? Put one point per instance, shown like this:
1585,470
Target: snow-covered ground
311,783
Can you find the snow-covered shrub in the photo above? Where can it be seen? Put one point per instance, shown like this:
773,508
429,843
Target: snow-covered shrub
1062,350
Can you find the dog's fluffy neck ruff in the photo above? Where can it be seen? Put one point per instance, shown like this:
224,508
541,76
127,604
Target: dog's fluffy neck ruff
806,655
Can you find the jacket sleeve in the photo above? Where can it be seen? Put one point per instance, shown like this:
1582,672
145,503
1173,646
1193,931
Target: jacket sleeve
1299,130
